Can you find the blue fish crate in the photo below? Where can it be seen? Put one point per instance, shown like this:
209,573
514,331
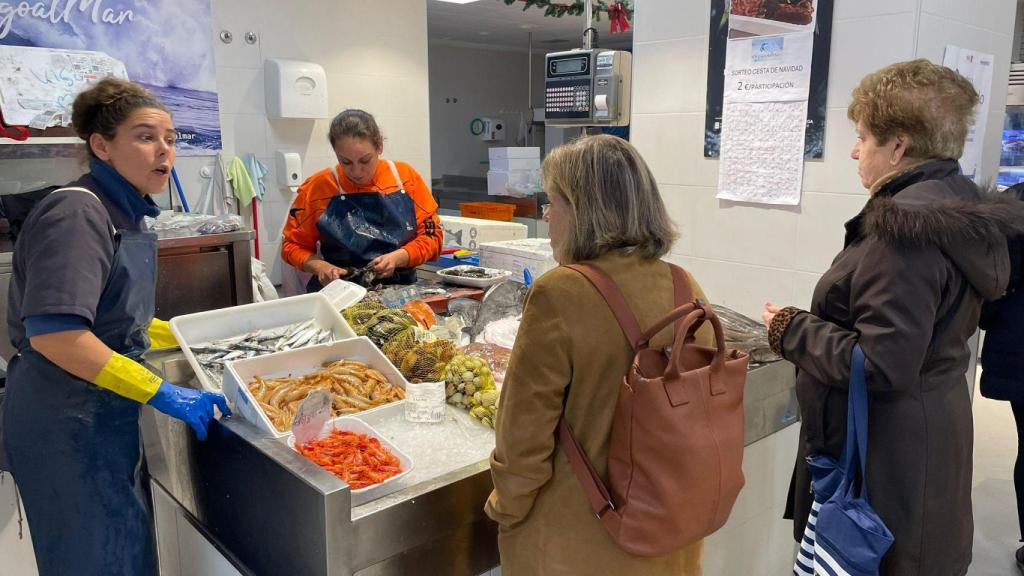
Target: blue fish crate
449,260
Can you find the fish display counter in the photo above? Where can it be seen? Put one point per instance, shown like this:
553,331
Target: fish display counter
264,508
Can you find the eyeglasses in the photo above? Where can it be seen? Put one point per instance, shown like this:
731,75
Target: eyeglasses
545,212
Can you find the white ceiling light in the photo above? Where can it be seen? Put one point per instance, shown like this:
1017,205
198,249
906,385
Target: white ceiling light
457,1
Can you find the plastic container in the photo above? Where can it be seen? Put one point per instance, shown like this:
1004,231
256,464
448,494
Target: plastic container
353,424
238,373
343,294
204,327
425,402
488,210
499,276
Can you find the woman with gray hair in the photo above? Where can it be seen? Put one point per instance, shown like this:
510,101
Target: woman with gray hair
918,261
570,356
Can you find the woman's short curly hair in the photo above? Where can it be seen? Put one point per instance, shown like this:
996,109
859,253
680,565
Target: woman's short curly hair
931,104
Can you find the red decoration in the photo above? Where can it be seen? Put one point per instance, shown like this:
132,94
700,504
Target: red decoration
16,133
619,16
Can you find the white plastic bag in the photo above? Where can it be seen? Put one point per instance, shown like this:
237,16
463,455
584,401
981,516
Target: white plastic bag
262,288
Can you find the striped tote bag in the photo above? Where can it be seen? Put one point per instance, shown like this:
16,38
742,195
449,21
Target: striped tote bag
844,536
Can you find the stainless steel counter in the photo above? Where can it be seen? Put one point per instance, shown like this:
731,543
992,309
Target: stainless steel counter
271,511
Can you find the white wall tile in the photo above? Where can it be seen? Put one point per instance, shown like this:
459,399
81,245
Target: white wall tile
742,287
803,290
864,45
673,146
993,15
242,134
869,8
670,76
241,90
836,172
936,33
681,202
239,53
659,20
820,229
295,135
744,233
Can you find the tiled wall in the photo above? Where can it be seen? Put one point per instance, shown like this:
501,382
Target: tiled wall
742,254
375,56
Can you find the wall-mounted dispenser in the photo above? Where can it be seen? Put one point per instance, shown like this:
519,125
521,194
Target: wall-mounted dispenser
295,89
289,169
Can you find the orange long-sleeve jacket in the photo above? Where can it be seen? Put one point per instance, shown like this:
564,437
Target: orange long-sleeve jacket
301,233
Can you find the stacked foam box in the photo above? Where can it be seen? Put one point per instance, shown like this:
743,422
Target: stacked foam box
514,171
534,254
469,233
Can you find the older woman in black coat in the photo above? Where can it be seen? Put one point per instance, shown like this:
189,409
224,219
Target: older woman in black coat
1003,358
908,287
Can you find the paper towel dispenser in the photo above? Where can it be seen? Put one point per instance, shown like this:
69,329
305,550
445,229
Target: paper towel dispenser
587,88
295,89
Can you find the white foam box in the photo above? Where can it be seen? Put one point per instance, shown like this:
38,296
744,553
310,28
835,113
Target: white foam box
501,152
356,425
517,183
469,233
238,374
534,254
204,327
514,164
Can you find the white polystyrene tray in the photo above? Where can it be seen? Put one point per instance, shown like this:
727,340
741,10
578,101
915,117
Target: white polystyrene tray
238,373
501,276
204,327
354,424
343,293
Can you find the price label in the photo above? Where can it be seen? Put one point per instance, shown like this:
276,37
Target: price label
311,415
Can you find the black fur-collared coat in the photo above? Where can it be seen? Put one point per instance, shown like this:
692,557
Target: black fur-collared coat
928,248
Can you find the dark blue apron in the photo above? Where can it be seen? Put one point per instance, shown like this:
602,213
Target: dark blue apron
356,228
75,449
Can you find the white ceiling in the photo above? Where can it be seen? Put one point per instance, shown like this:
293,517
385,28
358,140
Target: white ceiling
493,23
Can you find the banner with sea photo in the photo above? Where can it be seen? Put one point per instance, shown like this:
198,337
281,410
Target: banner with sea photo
750,18
50,50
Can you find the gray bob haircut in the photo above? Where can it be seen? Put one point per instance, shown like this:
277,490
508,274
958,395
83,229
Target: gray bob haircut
614,201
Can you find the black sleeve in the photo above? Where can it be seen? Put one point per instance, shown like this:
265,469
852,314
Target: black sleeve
895,301
67,249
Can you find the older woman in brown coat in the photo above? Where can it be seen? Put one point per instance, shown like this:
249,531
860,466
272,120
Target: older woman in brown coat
570,354
918,261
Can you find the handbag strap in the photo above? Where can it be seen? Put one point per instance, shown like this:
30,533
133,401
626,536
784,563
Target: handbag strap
612,294
855,452
597,493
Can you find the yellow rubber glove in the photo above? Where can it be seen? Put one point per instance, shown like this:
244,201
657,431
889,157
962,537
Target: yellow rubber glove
160,335
128,378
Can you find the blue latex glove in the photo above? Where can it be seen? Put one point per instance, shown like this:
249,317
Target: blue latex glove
527,277
194,407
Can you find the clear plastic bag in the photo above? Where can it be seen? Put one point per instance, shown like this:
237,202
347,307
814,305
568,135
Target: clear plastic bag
497,357
192,223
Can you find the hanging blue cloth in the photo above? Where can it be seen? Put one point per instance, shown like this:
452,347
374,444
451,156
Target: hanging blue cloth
257,172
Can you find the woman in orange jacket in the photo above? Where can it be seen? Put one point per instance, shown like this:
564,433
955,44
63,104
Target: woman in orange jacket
364,211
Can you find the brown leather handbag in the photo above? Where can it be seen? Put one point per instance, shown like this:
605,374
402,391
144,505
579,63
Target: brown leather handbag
676,450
